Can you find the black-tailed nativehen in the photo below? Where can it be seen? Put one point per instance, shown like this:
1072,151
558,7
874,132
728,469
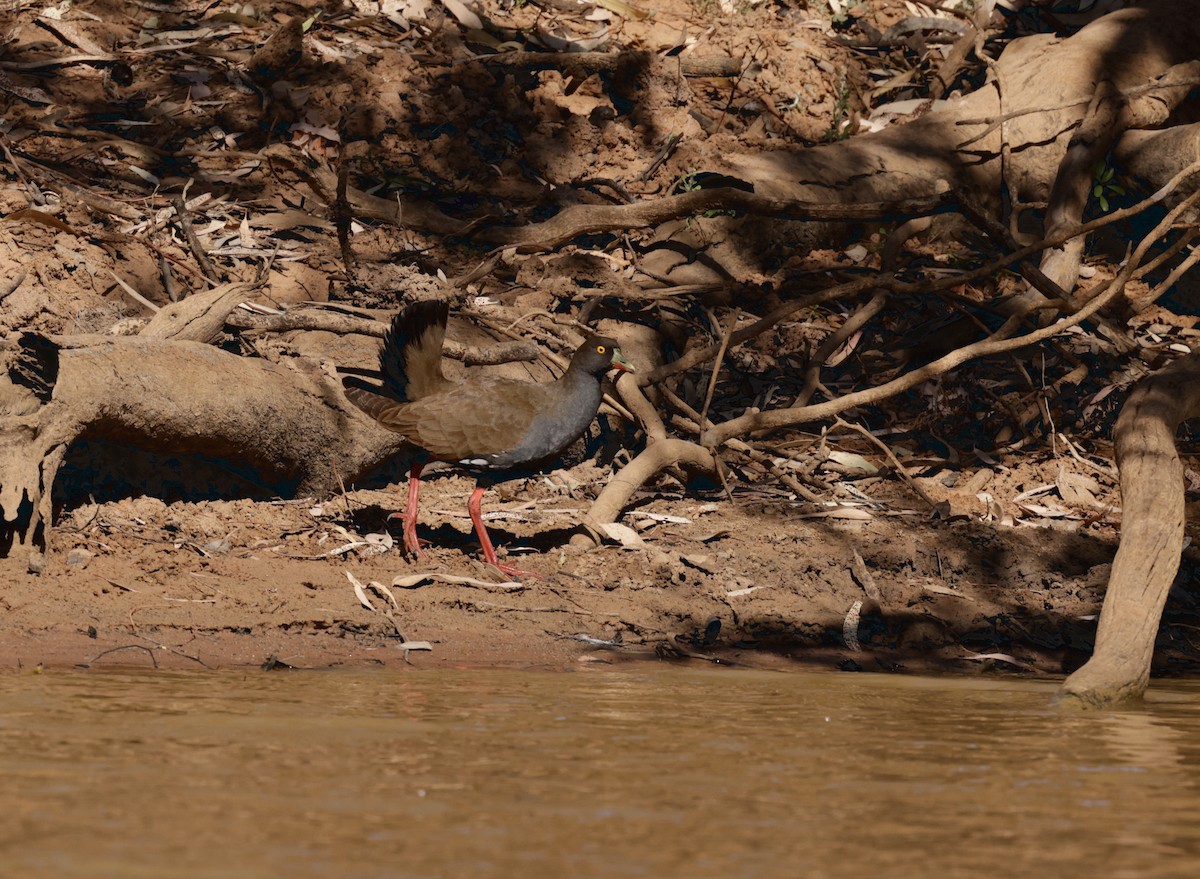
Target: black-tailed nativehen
486,424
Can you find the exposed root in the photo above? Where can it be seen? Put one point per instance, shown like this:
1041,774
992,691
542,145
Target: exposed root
654,459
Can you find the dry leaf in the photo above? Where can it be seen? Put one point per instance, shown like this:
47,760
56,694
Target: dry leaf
840,512
626,10
465,16
998,657
360,591
622,534
939,589
412,581
851,461
34,216
386,593
663,517
1077,489
738,593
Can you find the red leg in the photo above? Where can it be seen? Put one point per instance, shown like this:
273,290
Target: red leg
411,544
475,508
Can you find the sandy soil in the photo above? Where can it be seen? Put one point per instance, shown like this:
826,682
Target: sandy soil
158,561
757,580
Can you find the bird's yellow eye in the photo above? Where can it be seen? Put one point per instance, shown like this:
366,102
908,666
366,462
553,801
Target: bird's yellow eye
600,349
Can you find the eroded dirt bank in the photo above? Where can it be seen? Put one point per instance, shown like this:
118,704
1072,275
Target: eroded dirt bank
1008,575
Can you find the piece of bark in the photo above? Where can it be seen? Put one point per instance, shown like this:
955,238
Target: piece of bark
282,51
200,317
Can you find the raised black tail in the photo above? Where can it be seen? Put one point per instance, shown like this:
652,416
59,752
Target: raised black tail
411,357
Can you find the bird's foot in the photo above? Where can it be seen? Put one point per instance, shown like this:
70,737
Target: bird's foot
412,543
517,573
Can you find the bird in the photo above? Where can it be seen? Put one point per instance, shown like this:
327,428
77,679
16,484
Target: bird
484,423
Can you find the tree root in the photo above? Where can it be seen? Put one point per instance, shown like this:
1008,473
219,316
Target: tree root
280,420
344,324
998,343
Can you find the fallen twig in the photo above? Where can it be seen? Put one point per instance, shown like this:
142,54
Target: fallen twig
193,242
608,61
895,462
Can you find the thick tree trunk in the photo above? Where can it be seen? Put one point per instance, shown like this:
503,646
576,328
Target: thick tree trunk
1151,536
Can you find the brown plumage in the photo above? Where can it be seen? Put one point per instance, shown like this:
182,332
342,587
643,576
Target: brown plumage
485,422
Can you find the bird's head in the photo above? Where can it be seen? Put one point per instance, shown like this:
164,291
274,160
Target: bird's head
598,355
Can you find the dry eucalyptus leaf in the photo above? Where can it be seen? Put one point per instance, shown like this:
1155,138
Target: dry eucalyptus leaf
738,593
995,509
379,541
386,593
851,461
1077,489
412,581
840,512
663,517
997,657
939,589
464,16
625,10
622,534
1046,511
360,591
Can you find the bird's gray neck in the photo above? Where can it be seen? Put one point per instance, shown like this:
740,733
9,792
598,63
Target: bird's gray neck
583,400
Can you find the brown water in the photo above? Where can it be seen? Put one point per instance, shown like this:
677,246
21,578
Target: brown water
657,771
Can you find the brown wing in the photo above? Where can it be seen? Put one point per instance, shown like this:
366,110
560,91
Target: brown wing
470,420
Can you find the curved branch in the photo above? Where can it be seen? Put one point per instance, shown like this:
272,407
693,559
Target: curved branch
696,356
655,458
345,324
577,220
891,284
641,408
